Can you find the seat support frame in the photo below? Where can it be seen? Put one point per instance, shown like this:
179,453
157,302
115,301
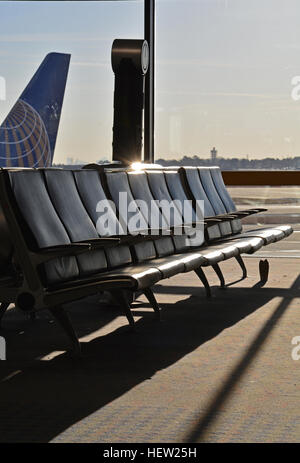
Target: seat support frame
200,273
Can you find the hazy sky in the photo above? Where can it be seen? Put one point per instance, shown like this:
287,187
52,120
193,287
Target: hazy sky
224,70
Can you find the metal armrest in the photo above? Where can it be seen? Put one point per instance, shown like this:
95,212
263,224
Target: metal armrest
242,213
96,243
153,232
251,211
63,250
212,220
220,218
226,217
257,209
131,240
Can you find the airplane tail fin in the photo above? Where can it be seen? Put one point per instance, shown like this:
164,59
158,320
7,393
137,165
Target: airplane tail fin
28,134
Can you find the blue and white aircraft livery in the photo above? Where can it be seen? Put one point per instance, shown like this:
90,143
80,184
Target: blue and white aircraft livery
28,134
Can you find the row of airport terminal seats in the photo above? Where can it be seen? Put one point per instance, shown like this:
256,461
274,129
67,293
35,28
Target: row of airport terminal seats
56,249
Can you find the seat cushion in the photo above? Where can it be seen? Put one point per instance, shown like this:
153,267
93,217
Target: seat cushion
218,252
248,244
255,243
266,235
128,277
229,250
287,229
204,257
170,265
141,276
270,235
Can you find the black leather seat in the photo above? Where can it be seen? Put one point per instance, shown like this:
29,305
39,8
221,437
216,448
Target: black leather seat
212,254
181,243
105,220
43,222
279,232
73,233
176,188
225,196
62,256
61,185
130,217
268,235
193,257
165,260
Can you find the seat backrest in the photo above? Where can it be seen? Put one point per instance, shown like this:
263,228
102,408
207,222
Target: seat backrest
176,212
217,178
141,192
177,192
35,206
214,198
216,175
128,212
67,202
94,198
160,192
191,177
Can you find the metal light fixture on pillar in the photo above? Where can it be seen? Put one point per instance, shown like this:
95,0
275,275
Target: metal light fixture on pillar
130,60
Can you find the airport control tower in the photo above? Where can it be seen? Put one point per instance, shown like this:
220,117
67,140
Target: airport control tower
213,154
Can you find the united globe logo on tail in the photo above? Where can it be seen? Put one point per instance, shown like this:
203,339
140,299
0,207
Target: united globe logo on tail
28,134
24,140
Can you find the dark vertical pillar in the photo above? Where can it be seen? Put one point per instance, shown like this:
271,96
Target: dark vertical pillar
128,114
149,12
130,60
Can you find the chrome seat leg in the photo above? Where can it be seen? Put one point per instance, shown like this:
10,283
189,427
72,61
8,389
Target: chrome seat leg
242,265
199,272
220,275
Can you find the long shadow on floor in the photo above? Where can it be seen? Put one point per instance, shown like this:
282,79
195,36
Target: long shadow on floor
223,394
40,399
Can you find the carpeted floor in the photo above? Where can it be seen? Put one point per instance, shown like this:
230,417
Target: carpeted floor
216,370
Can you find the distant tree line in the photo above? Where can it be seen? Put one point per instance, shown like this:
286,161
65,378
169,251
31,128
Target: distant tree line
268,163
224,163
